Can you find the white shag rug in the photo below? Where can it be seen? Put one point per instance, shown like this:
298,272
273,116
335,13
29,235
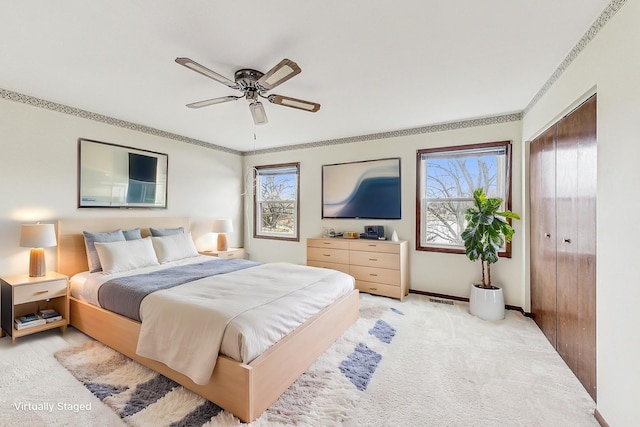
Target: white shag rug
415,363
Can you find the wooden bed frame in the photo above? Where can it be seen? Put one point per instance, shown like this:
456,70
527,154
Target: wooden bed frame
245,390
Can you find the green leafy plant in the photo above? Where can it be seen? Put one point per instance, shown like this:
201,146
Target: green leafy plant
486,232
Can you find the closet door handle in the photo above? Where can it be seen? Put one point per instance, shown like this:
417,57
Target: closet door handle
567,240
547,235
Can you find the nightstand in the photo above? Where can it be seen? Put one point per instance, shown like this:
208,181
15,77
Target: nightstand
23,294
229,253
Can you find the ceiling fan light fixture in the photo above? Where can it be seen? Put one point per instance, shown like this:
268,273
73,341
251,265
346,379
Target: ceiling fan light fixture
258,113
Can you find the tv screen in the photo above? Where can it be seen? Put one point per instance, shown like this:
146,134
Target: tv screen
368,189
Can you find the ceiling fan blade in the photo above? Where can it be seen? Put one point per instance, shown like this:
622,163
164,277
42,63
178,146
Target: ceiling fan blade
278,74
213,101
186,62
258,113
300,104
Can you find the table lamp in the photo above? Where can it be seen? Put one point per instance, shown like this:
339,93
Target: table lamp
37,237
222,226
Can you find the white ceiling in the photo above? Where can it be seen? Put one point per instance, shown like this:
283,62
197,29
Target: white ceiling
373,65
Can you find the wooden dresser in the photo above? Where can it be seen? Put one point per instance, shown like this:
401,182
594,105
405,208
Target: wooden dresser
380,267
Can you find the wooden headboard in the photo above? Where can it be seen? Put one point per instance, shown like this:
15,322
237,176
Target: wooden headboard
72,255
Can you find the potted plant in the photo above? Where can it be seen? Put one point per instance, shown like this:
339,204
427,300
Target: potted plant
486,233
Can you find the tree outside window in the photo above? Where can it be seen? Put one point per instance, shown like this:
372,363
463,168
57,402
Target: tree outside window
276,208
447,178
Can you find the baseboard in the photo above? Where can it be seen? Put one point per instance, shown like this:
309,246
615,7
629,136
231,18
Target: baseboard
455,298
599,418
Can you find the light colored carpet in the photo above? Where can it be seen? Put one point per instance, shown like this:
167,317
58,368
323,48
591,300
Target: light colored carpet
415,363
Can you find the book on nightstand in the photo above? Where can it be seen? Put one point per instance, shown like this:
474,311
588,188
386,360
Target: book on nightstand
53,319
28,318
24,325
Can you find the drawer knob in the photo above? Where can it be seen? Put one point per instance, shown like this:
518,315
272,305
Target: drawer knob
373,259
373,289
326,254
42,292
373,274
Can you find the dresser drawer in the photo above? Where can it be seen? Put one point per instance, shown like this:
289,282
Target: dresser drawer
374,246
328,255
332,265
39,291
379,289
328,243
377,275
375,259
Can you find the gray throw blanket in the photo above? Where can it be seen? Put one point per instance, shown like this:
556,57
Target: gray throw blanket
123,295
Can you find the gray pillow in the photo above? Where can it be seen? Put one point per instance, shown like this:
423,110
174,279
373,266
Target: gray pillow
133,234
90,240
160,232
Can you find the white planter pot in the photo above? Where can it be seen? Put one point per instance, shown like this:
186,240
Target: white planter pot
487,304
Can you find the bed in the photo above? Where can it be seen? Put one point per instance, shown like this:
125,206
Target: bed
244,389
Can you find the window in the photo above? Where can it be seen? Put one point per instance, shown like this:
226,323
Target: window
276,208
446,180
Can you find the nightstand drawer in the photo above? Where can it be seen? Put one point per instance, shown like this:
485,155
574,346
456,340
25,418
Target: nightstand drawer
328,255
232,254
39,291
376,275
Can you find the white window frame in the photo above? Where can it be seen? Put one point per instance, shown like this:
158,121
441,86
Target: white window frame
499,187
263,172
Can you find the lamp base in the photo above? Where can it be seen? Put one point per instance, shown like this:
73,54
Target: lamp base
37,266
222,242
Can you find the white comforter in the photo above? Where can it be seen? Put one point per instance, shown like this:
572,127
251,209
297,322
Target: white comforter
239,314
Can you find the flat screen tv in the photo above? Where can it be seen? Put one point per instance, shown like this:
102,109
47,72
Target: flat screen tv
368,189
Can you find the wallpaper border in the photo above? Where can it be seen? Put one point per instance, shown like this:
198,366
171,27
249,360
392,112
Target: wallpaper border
463,124
612,8
84,114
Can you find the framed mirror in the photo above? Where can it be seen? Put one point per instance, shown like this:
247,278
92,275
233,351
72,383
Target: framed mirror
116,176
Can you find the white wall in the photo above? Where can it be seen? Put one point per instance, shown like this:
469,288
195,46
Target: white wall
38,178
611,63
449,274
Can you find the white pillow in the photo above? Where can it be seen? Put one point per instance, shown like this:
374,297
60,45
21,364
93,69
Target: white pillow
174,247
124,256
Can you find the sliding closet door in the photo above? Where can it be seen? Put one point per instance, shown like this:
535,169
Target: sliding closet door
542,189
576,240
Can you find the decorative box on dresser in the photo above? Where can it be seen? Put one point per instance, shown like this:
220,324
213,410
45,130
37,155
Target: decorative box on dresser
23,294
379,266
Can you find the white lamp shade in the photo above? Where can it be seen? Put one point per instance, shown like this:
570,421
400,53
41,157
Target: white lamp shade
37,235
222,226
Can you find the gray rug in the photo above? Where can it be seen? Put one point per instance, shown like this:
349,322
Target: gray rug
415,363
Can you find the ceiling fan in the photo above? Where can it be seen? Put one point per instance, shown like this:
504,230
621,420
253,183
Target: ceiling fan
254,85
